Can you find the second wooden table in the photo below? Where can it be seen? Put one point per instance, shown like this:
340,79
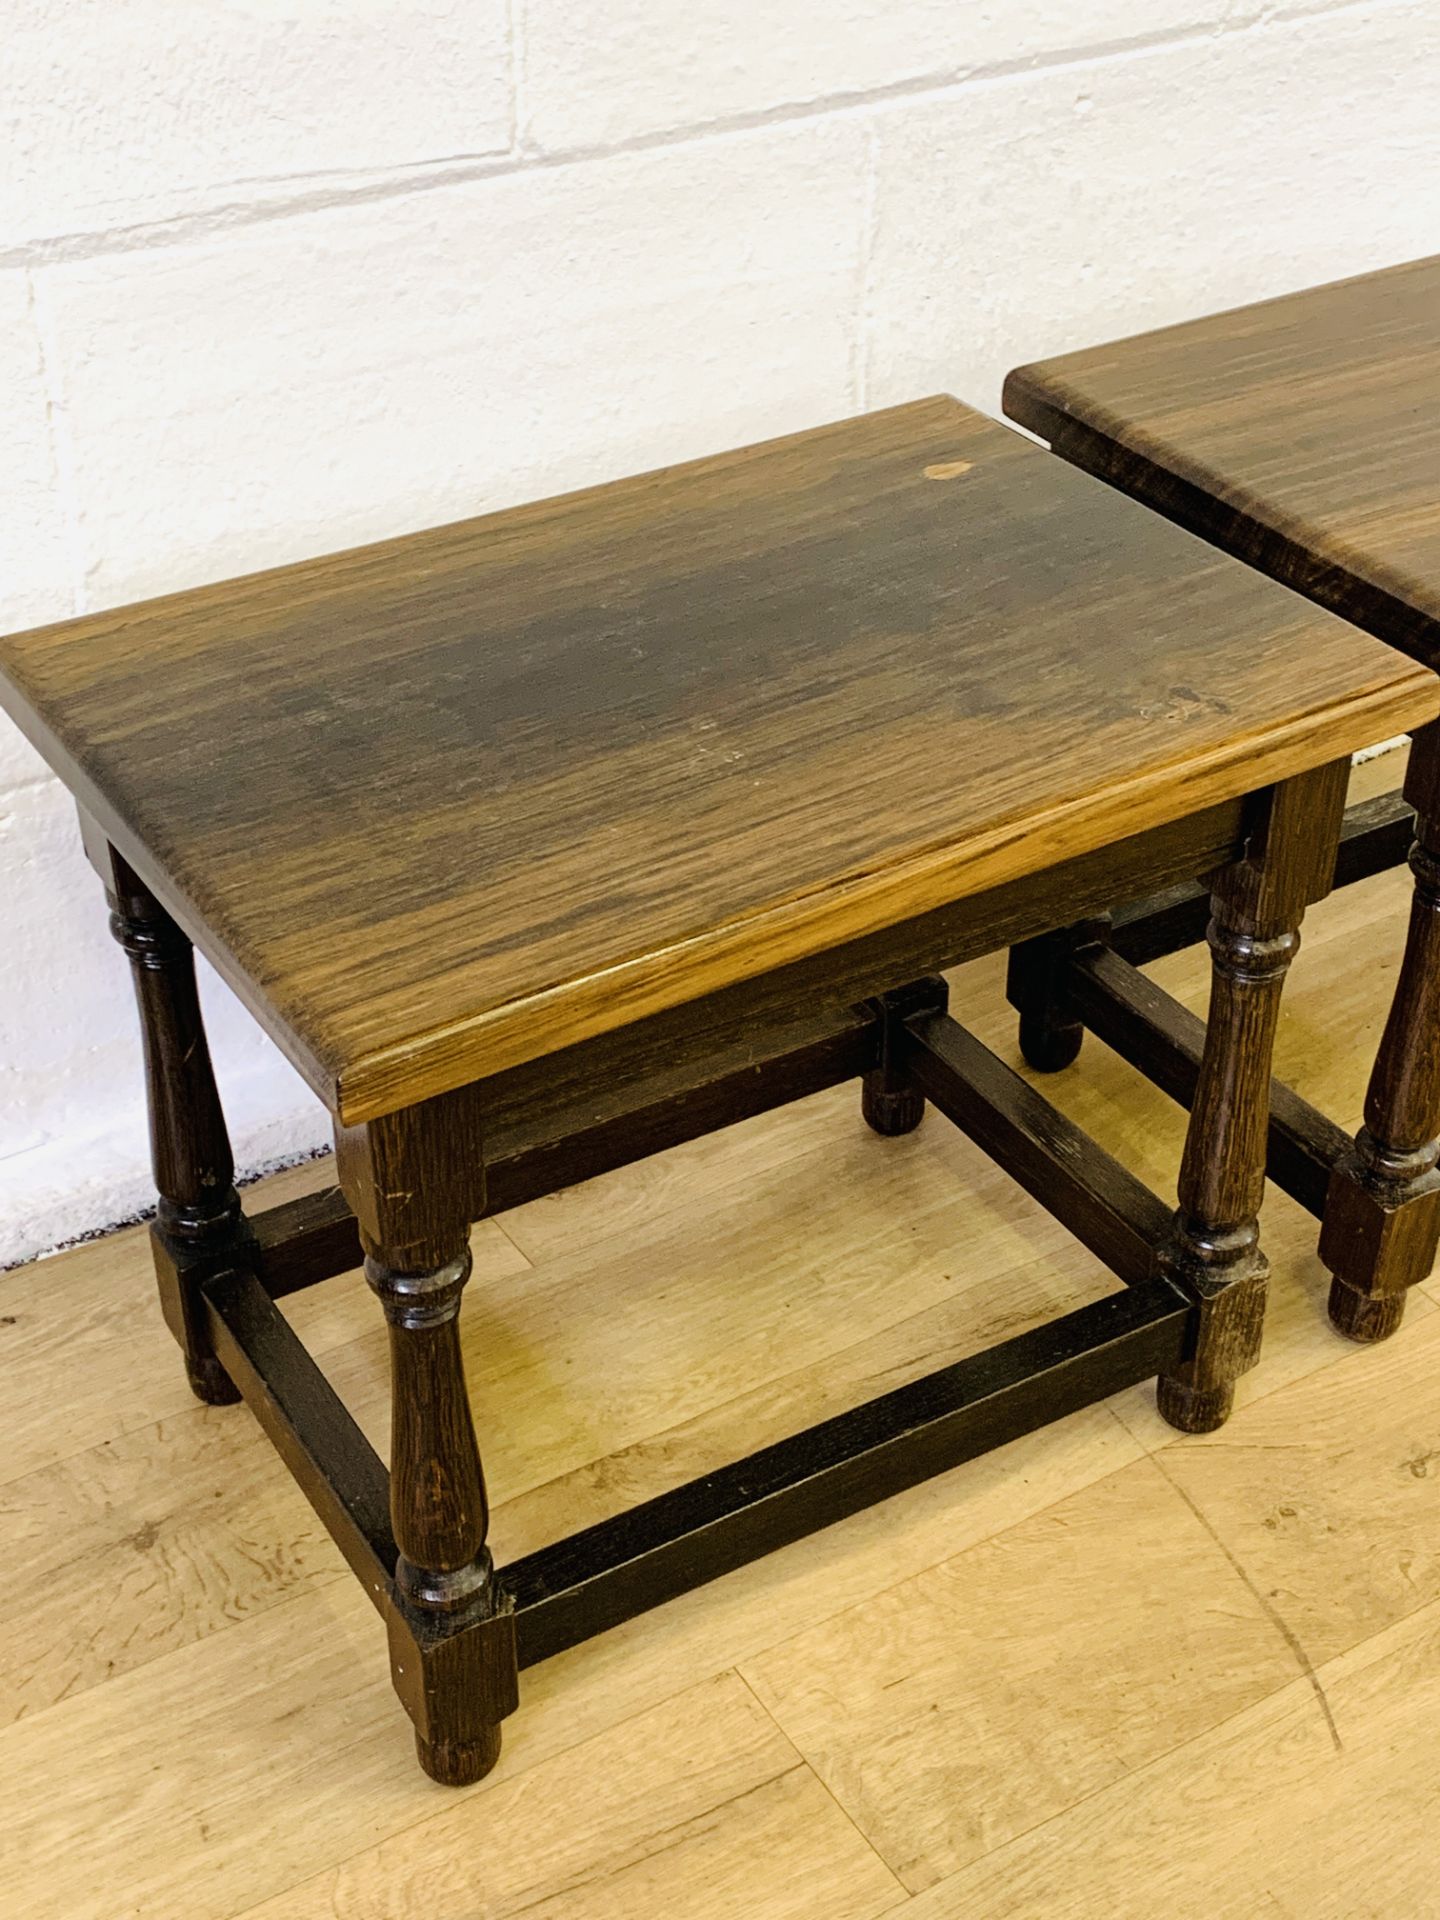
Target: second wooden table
1303,435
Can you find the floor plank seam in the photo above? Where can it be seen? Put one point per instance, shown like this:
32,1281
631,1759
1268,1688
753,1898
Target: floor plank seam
882,1383
819,1618
720,1191
1124,1780
504,1777
498,1221
55,1462
340,1576
323,1582
825,1787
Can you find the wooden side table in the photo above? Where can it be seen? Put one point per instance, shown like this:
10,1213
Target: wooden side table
1303,435
546,841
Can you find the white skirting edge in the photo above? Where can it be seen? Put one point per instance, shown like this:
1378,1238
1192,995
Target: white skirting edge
1374,753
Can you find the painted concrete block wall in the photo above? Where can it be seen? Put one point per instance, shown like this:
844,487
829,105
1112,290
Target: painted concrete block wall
279,276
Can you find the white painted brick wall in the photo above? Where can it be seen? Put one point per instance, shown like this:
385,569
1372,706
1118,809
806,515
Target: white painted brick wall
291,386
1041,210
596,75
277,276
125,111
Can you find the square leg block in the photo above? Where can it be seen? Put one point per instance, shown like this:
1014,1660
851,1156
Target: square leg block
1377,1241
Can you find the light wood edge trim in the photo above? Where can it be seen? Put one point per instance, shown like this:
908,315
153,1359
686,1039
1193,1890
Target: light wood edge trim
468,1049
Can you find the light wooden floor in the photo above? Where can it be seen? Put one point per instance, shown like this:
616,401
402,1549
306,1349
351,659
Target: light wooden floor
1104,1671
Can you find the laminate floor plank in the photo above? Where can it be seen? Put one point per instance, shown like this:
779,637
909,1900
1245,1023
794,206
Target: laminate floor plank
954,1711
1328,1492
1272,1816
700,1807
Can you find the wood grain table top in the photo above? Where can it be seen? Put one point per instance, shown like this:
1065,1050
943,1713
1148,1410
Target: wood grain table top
1302,434
445,804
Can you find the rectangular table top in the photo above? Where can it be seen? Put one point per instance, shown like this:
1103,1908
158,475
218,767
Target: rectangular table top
448,803
1302,434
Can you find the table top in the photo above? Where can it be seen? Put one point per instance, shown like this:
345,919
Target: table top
1302,434
452,802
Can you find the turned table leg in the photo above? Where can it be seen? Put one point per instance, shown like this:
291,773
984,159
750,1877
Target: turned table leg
1382,1210
890,1101
199,1228
415,1182
1256,907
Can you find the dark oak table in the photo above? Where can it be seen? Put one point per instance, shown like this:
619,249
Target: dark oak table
545,841
1303,435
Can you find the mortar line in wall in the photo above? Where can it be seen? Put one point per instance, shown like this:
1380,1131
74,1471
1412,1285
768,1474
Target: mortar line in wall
40,782
860,376
515,34
62,446
461,170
